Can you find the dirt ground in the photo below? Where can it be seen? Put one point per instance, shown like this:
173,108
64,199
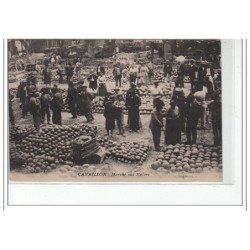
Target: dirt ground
115,171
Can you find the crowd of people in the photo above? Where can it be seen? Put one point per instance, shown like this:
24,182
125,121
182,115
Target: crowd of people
183,114
186,111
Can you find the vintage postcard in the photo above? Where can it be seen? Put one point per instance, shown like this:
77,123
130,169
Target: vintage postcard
115,110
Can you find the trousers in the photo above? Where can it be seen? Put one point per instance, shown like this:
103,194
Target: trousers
191,132
217,128
156,133
37,119
57,117
118,81
46,111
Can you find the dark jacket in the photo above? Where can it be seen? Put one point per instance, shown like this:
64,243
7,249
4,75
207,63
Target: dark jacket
133,99
35,106
46,100
192,71
22,92
72,96
69,70
215,108
202,72
57,101
192,113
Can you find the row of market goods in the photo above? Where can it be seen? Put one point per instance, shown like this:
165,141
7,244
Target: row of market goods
144,92
189,158
54,146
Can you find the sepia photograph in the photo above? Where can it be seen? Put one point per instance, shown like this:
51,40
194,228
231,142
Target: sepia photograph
113,110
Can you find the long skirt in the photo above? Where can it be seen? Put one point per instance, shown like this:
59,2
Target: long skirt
110,123
134,118
102,90
173,132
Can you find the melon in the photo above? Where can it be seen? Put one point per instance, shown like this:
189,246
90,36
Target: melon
165,165
185,159
179,169
199,169
155,165
186,167
172,160
192,170
205,164
173,168
38,169
198,165
178,164
194,151
179,158
48,169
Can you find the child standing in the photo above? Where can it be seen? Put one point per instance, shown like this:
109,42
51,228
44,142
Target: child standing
109,113
118,105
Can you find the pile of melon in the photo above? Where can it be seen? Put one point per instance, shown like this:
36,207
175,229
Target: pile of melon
189,158
129,152
105,142
50,147
19,132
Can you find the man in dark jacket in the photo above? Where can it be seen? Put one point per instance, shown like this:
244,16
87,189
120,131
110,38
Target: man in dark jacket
167,70
11,112
84,101
201,74
117,72
72,100
203,71
59,73
23,96
133,102
192,73
192,113
57,105
69,70
215,108
179,81
47,75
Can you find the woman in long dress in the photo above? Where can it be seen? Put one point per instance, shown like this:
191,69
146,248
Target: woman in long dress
133,102
144,71
102,89
173,128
